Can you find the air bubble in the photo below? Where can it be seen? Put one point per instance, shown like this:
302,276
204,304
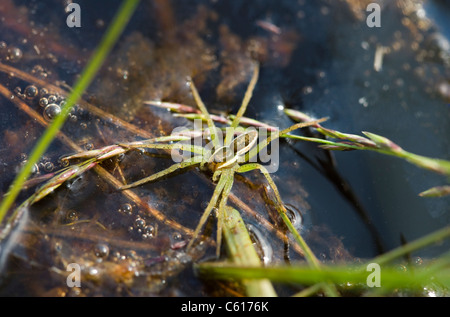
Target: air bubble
140,223
43,102
71,216
101,250
52,99
131,254
64,162
43,92
117,256
31,92
149,231
48,166
177,236
15,54
73,118
51,111
126,209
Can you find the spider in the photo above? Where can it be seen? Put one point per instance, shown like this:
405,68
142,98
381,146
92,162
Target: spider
224,160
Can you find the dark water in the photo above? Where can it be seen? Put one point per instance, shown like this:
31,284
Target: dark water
319,59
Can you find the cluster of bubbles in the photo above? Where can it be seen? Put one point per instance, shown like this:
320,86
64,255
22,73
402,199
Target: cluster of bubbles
44,165
139,224
145,230
51,103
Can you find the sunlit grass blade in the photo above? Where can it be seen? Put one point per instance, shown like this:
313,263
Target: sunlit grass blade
242,252
391,278
437,191
60,178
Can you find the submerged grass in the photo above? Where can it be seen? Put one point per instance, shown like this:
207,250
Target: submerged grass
108,41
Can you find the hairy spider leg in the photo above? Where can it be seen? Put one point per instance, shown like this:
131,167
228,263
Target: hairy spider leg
248,95
220,198
190,162
274,135
228,175
282,211
212,203
202,107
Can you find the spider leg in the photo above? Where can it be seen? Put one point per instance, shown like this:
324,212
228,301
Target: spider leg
245,101
228,175
212,203
201,105
277,134
310,257
195,160
247,96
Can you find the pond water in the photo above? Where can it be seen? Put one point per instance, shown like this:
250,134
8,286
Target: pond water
316,56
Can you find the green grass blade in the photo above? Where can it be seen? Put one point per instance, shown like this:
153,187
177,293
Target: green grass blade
391,278
242,252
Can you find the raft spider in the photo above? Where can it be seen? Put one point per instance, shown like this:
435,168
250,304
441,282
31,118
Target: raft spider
224,161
